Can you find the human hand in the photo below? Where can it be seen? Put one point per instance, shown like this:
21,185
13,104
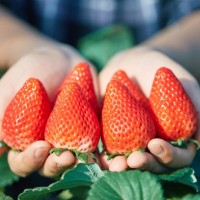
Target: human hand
50,65
142,63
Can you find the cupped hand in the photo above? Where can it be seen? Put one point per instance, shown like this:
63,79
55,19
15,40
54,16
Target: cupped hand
142,63
50,65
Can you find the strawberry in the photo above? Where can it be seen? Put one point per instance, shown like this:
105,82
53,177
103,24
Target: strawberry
26,115
82,76
73,124
132,85
126,125
172,110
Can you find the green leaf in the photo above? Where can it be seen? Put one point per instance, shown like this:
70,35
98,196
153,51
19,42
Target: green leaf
5,197
99,46
57,151
127,185
7,177
195,165
191,197
184,176
84,157
80,193
176,190
180,143
81,175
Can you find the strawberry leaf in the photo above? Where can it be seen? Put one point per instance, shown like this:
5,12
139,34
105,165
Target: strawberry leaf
99,46
184,176
191,197
5,197
81,175
6,175
176,190
127,185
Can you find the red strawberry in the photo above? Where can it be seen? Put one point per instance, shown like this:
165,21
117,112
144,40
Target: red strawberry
73,124
82,76
126,125
26,116
173,112
132,85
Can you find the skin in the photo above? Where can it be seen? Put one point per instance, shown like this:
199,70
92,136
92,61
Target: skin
28,53
162,155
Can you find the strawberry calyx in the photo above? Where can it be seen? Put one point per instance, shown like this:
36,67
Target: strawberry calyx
57,151
180,143
3,144
127,154
16,150
82,156
184,143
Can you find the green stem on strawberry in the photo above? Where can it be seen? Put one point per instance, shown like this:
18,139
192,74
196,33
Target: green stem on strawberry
184,143
57,151
84,156
110,156
179,143
127,154
16,150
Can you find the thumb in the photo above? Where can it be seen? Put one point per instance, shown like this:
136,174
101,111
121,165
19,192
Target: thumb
49,67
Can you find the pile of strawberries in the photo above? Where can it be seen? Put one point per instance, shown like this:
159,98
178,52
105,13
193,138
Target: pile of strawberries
126,122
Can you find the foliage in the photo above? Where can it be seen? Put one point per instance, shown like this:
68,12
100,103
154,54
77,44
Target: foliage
6,176
88,181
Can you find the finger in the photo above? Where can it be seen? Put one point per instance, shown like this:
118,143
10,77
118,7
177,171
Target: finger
24,163
55,165
104,161
170,156
144,161
118,164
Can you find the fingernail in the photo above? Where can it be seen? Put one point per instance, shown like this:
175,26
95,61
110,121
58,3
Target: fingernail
158,150
41,153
